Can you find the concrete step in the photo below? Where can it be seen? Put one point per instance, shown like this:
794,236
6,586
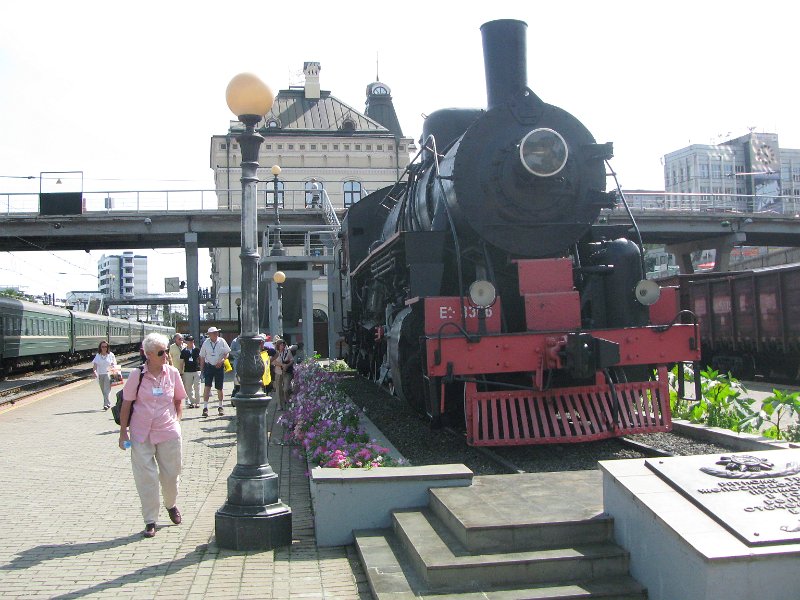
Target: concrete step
391,576
444,563
501,513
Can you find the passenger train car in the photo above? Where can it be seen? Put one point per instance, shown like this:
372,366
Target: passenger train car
34,335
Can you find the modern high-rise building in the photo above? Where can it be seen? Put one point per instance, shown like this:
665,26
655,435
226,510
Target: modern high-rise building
324,147
751,173
122,275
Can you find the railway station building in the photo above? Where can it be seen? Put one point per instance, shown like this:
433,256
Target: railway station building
323,146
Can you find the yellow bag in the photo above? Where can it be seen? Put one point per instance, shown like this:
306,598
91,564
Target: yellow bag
266,378
227,365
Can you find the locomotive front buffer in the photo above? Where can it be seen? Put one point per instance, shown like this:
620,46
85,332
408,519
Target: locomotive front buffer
616,378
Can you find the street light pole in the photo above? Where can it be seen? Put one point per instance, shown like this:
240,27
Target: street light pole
277,247
239,316
279,277
253,517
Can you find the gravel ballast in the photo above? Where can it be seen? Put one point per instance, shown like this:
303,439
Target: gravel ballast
413,436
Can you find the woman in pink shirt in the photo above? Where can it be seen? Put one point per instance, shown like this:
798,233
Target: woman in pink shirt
154,407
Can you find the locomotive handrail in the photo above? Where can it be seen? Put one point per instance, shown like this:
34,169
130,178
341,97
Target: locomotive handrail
630,216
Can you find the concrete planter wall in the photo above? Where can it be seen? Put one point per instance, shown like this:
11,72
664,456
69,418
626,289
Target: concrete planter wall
348,499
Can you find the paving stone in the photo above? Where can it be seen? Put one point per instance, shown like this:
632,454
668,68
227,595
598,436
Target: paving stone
72,521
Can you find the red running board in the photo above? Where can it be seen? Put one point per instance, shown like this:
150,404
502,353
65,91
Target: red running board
563,415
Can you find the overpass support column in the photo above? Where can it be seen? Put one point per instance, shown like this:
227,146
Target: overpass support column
722,246
192,283
722,262
683,255
308,319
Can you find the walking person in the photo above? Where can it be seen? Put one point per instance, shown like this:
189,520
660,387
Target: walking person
152,429
175,352
212,358
284,369
190,356
102,365
236,351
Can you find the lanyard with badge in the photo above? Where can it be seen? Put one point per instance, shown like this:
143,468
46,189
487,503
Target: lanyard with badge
158,390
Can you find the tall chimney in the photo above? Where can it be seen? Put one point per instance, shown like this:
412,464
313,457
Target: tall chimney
311,71
504,59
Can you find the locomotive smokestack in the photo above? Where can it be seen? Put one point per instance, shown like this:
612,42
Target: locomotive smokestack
504,59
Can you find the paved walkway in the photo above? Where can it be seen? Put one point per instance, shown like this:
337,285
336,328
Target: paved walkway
70,520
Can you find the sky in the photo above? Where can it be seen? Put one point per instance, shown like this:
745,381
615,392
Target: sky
131,93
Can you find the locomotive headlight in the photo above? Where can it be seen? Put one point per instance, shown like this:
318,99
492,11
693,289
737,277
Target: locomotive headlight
647,292
543,152
482,293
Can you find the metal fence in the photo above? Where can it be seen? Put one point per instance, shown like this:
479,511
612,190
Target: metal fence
293,196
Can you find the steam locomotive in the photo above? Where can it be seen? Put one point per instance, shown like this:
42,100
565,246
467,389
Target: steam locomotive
482,287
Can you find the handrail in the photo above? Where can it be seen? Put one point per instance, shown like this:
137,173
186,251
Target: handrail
24,204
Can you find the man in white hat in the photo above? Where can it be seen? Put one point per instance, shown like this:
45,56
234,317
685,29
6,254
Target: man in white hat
212,363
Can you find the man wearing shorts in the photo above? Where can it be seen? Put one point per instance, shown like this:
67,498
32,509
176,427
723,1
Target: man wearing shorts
212,358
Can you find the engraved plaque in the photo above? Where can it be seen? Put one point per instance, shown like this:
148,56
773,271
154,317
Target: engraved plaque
755,495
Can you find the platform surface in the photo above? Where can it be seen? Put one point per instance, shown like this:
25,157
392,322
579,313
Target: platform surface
71,523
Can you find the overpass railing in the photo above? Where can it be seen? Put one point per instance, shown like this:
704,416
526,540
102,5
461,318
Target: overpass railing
293,196
671,203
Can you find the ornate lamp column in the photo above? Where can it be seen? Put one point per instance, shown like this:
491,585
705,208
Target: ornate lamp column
253,517
279,277
277,247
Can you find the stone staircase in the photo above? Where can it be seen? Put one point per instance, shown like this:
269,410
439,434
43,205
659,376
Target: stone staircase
506,537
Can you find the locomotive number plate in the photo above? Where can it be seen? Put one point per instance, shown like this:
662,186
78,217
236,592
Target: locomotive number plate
442,309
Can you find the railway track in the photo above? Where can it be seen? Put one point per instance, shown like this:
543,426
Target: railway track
420,444
504,458
43,381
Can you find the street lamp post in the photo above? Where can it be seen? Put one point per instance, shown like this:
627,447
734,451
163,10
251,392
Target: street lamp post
277,247
238,316
253,517
279,277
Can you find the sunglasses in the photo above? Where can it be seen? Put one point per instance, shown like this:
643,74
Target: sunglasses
161,352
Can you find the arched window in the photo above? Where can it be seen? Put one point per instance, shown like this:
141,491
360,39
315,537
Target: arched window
348,125
314,193
352,192
271,187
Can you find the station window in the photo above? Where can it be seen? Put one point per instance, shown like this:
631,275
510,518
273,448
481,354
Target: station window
352,192
368,147
268,146
391,147
290,146
324,146
223,146
358,146
302,146
280,146
347,146
313,147
379,147
336,146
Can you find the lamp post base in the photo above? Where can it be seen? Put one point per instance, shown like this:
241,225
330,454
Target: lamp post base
253,527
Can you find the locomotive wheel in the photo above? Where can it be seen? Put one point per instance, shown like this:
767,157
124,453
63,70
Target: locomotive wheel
405,359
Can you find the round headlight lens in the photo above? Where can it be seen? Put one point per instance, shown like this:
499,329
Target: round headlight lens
543,152
482,293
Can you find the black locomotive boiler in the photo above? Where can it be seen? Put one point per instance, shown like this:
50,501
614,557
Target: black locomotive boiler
481,285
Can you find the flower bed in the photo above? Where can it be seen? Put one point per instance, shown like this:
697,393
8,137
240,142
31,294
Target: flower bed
326,423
